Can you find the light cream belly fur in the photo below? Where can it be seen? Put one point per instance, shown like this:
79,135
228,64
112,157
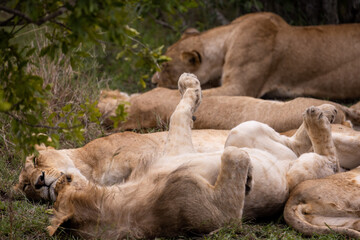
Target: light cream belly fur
268,174
269,182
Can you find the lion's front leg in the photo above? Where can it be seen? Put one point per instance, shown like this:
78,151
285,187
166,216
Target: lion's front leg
323,161
181,121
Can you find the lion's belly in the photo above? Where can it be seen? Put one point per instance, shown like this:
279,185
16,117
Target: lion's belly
269,186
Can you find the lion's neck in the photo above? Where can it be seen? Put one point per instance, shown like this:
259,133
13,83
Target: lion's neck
214,43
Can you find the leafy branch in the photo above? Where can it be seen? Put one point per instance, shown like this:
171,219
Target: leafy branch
73,27
46,18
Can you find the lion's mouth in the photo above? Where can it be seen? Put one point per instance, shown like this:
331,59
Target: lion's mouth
51,189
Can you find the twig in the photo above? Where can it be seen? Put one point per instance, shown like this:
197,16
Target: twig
146,47
7,22
51,16
20,28
61,24
165,24
16,12
46,18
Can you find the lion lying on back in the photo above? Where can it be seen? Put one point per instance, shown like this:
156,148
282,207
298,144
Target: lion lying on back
261,55
182,181
154,108
105,161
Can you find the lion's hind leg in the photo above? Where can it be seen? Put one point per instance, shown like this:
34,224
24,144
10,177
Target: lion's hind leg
179,137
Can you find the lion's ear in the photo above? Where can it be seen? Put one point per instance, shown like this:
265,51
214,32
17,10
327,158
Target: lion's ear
193,58
30,161
189,32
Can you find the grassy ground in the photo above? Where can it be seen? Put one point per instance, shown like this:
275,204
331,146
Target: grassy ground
22,219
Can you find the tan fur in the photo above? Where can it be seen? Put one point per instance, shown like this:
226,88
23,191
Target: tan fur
177,194
122,156
260,54
171,198
108,160
356,106
154,108
328,205
179,189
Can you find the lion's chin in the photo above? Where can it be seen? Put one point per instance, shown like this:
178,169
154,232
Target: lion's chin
52,194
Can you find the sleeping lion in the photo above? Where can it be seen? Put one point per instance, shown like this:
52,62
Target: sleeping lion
154,108
260,55
190,191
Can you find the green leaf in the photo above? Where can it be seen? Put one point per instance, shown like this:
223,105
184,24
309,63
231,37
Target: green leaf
4,106
131,31
45,51
142,83
67,107
30,52
2,206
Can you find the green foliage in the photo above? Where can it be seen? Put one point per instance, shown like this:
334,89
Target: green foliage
120,114
74,27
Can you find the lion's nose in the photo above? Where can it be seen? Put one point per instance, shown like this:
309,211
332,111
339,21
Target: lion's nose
41,181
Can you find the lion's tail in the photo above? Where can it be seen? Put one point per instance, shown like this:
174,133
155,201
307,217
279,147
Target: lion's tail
294,214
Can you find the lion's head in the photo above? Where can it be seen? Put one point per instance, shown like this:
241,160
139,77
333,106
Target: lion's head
186,56
38,183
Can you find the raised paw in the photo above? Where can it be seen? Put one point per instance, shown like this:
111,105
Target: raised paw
189,87
329,111
316,123
61,183
188,80
315,116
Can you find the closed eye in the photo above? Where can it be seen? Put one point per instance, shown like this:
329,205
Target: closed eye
34,162
25,186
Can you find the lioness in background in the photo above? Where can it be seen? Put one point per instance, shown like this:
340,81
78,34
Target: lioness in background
154,108
261,55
